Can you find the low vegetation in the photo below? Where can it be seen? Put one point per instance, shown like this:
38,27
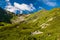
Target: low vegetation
42,25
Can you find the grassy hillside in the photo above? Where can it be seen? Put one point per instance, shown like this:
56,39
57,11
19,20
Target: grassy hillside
42,25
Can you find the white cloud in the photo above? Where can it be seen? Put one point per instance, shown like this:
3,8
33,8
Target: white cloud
19,7
9,7
32,7
6,0
24,6
41,7
50,2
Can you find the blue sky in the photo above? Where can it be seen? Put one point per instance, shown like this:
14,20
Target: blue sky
27,6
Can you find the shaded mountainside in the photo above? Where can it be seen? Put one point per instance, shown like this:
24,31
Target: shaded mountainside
9,17
4,16
42,25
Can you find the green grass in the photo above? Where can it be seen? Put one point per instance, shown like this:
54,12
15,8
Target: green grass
24,30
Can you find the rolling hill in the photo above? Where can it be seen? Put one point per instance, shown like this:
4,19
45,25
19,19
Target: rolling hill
41,25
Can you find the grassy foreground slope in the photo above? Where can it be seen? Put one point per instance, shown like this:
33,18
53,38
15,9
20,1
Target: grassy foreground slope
42,25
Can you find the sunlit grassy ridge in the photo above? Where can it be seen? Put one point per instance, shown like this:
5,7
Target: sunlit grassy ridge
42,25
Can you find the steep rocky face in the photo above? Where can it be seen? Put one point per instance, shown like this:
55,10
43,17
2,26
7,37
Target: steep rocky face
19,18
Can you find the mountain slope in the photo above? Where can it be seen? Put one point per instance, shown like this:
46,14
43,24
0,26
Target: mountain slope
4,16
42,25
